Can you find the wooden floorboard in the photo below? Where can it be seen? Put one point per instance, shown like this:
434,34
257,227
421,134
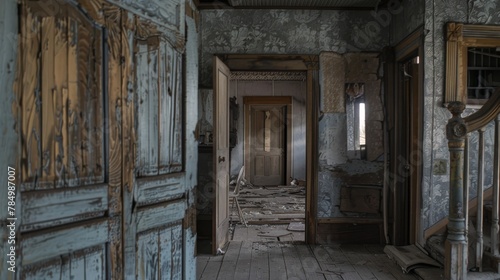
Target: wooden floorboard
277,269
359,257
325,262
294,269
201,263
211,271
259,268
309,263
244,261
279,261
228,267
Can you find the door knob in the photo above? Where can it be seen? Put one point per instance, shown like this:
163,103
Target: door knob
222,159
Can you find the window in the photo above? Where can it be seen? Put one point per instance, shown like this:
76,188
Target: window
356,129
483,73
472,63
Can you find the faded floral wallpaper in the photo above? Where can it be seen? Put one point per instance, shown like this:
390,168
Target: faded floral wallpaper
437,12
286,32
404,20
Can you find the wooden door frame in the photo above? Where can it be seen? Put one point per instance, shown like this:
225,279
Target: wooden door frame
310,65
248,102
411,46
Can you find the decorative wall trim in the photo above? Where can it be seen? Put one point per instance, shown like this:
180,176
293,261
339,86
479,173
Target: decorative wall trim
268,76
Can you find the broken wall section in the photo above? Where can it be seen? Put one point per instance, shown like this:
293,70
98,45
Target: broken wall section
338,168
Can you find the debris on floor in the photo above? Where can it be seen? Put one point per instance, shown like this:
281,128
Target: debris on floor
296,226
271,204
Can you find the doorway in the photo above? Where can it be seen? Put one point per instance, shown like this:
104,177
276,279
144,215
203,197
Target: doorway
268,139
309,65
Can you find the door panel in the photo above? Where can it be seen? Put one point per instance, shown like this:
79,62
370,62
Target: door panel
267,144
157,205
64,227
221,154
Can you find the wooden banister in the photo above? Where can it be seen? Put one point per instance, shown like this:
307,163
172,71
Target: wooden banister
457,131
486,114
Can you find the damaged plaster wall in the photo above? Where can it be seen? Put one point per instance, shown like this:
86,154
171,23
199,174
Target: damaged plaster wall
248,31
336,167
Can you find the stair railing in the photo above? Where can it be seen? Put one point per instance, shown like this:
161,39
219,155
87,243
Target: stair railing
457,131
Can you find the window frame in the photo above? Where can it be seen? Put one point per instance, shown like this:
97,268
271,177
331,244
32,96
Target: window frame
459,37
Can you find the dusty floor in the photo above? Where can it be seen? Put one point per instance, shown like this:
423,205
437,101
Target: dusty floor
271,204
283,260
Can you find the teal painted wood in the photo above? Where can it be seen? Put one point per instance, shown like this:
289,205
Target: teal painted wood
8,137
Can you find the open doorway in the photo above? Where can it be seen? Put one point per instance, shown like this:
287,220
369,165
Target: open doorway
272,152
214,196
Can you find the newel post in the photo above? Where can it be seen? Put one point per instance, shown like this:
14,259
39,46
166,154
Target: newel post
456,241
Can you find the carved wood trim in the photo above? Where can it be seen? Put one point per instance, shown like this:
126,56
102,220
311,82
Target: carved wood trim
145,29
453,55
458,38
268,76
408,45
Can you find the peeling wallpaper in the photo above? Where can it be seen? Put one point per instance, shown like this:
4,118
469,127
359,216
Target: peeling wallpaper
286,32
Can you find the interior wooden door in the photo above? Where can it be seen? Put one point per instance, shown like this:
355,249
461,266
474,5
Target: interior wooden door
267,142
221,155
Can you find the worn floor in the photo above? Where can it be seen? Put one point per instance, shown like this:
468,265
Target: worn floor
272,247
284,260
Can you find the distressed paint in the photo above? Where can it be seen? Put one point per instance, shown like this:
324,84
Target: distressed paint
158,107
168,15
159,214
67,145
54,207
45,245
9,108
90,261
158,189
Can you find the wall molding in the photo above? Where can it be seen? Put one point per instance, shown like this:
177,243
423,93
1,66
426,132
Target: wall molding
268,76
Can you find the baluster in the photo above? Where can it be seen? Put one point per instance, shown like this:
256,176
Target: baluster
455,266
466,185
480,190
494,210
